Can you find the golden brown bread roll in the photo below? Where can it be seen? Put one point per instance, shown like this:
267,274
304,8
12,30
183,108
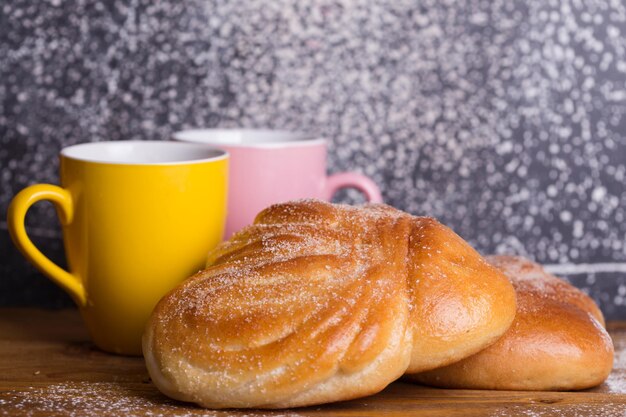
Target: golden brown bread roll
318,302
557,340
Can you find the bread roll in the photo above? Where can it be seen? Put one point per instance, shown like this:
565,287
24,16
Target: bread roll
318,302
557,340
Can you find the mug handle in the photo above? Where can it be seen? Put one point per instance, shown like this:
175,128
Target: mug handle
362,183
62,200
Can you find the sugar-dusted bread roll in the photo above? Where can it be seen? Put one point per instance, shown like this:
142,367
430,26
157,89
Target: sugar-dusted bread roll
557,340
318,302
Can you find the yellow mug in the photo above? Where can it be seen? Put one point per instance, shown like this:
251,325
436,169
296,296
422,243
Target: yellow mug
138,217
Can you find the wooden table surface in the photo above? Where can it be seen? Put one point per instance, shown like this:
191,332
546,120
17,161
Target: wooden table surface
49,368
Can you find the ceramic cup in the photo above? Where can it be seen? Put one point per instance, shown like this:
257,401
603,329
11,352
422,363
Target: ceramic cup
138,217
268,166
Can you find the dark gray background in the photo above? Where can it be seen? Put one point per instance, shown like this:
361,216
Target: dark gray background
504,119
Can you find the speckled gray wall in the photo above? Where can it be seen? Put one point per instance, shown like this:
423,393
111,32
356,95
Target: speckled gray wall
505,119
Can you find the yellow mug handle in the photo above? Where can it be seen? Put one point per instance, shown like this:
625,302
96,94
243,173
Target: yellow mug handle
62,200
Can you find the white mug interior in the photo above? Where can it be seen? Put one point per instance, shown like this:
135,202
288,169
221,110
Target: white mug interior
139,152
264,138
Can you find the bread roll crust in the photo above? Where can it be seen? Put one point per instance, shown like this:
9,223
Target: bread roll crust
557,340
458,308
318,302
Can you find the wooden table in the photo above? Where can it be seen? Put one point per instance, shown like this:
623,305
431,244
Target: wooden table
49,368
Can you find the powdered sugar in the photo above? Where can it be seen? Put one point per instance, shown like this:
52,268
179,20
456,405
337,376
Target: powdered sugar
532,280
91,399
616,382
570,410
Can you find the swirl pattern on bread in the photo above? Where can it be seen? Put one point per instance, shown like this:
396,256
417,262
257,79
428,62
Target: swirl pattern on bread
317,302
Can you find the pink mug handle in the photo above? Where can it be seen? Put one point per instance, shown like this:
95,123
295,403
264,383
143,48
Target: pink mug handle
353,180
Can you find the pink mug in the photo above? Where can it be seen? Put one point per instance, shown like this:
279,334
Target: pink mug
270,166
